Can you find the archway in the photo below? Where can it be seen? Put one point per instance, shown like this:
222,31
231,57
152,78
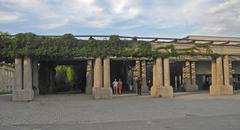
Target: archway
123,69
60,76
176,76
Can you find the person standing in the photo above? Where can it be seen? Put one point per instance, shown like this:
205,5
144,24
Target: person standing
115,86
139,86
149,85
120,85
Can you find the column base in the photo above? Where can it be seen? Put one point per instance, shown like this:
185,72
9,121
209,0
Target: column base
89,90
22,95
221,90
36,91
227,90
145,89
190,88
102,93
154,91
166,91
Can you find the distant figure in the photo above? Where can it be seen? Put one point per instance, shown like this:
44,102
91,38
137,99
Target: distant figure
149,85
120,83
139,86
130,87
115,85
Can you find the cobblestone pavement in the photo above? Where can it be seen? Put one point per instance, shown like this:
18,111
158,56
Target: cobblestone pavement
76,111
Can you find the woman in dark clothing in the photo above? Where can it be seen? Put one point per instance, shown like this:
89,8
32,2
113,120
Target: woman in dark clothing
139,86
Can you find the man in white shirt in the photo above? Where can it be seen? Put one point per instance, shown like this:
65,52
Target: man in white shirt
115,84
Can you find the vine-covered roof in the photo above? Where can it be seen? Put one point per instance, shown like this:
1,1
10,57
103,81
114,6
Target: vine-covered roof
32,45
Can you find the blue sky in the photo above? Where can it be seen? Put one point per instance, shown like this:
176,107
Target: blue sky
164,18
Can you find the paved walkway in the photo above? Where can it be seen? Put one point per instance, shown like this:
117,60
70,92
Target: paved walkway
77,111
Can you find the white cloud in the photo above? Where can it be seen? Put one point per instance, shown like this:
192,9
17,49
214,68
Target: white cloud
124,8
86,12
206,16
6,17
223,18
51,25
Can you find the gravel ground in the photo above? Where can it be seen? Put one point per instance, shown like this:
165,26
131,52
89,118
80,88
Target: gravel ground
76,111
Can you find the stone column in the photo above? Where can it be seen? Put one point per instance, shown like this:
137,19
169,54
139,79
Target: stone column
220,77
219,66
166,90
107,90
154,90
18,74
215,87
157,77
89,77
23,81
193,74
27,74
106,70
98,73
189,74
214,72
136,73
18,87
186,74
228,88
100,92
166,72
226,71
35,77
161,73
97,84
144,77
231,72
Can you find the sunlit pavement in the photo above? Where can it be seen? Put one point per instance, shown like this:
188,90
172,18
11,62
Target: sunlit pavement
186,111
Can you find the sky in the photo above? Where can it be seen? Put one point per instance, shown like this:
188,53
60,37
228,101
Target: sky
162,18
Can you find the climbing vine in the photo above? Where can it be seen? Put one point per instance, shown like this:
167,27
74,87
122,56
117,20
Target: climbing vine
29,44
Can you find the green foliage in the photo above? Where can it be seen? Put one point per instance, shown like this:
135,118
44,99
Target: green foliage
29,44
65,70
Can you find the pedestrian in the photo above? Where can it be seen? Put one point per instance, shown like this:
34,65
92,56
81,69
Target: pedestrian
139,86
120,85
149,84
115,85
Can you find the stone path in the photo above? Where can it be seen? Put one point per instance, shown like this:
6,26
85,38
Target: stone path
81,111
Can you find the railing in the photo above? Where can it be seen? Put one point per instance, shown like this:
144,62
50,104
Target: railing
6,78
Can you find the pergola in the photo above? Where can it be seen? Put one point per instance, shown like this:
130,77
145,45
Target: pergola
226,47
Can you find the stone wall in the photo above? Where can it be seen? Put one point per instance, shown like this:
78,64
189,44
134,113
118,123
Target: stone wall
6,78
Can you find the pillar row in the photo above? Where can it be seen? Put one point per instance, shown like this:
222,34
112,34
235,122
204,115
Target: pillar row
161,79
220,77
